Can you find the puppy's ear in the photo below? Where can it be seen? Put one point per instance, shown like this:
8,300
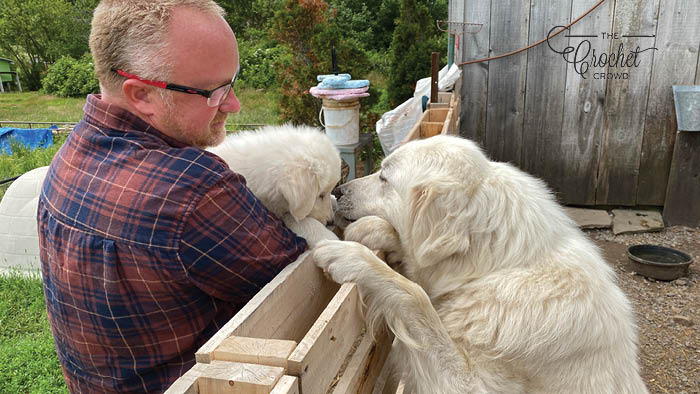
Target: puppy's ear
435,224
299,187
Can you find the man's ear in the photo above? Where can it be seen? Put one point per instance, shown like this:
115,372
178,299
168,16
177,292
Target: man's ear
140,97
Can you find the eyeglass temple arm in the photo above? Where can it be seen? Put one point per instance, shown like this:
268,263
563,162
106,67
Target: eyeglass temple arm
125,74
164,85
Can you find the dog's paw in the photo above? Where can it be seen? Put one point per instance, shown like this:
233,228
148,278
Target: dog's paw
376,234
344,261
309,228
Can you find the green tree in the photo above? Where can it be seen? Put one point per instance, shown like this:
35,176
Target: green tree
248,17
374,20
36,33
413,41
307,31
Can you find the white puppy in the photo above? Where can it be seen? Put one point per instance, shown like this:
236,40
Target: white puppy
503,293
292,170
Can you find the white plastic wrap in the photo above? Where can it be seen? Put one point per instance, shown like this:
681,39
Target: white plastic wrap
394,125
446,80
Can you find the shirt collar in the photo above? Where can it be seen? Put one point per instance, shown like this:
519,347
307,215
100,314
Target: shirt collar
114,117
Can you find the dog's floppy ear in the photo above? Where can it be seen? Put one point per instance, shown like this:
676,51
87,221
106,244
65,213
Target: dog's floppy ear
436,231
299,187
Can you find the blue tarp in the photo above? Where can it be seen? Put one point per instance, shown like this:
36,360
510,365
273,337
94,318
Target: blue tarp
33,138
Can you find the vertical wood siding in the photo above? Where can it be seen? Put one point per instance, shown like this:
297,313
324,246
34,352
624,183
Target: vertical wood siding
595,141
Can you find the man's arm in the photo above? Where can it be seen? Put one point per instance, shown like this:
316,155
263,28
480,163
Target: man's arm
232,245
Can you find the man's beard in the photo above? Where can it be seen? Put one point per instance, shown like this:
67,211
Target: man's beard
212,136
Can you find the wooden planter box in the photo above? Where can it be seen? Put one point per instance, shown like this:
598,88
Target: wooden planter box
441,118
302,333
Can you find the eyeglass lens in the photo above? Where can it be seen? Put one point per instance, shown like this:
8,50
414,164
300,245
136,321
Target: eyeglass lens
218,96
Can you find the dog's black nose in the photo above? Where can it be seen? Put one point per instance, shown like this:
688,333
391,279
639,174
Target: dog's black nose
337,192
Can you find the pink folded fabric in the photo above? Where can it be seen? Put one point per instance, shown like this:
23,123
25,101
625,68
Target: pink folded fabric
324,93
341,97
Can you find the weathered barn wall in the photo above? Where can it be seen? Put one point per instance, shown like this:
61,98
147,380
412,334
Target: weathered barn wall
599,133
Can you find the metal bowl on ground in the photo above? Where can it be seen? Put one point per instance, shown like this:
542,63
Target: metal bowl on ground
658,262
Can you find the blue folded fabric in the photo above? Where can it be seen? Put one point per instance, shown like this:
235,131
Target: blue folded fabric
33,138
331,83
344,77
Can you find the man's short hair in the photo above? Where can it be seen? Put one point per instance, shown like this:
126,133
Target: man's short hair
132,35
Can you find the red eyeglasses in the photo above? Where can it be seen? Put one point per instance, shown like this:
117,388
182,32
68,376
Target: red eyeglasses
214,97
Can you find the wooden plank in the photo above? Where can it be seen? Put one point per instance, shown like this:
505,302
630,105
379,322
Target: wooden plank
237,378
374,366
448,124
318,357
435,67
185,384
475,77
444,97
430,129
414,133
367,362
271,352
683,193
438,105
456,105
584,110
675,63
284,309
626,101
506,82
394,386
544,97
437,115
227,377
286,385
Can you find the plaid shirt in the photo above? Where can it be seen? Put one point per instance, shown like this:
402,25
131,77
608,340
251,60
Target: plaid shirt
147,247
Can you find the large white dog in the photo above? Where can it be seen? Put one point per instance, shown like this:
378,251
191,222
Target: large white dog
502,292
292,170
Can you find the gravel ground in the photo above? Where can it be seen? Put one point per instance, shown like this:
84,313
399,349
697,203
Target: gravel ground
668,313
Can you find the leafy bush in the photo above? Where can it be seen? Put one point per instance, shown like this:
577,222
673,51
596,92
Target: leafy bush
258,55
71,78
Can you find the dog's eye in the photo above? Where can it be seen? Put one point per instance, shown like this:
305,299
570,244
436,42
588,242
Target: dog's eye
322,196
381,178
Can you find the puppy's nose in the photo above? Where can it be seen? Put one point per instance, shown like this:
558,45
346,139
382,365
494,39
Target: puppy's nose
337,192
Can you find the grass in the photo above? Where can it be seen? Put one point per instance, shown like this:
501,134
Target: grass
27,355
257,107
37,107
23,160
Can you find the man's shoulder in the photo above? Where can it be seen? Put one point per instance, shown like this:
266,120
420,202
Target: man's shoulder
129,187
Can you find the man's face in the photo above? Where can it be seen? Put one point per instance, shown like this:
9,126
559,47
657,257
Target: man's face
205,56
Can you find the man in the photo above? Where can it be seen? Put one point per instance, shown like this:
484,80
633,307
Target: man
148,243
